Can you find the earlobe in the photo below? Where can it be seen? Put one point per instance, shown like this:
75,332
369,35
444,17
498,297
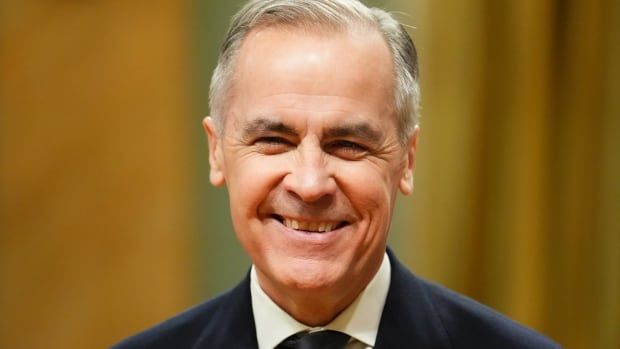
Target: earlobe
406,181
216,172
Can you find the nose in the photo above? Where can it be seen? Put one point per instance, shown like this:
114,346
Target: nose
310,179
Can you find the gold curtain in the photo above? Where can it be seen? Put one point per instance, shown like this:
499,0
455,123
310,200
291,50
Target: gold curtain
94,168
517,199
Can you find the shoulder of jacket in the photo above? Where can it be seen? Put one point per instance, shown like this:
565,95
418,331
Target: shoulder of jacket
173,332
470,324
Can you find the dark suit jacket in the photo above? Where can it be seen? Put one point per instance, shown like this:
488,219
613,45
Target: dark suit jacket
417,314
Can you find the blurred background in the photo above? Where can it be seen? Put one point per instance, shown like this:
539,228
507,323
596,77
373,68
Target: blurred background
108,223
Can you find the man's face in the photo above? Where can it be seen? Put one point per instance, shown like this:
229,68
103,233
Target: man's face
311,157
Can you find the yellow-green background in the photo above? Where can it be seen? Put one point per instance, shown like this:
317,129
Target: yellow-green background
108,224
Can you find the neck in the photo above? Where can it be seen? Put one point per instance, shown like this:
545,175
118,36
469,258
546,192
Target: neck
313,311
317,307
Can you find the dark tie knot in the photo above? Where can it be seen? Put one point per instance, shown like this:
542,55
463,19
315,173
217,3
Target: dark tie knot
326,339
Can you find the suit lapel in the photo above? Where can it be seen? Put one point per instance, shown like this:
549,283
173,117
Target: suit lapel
232,324
408,318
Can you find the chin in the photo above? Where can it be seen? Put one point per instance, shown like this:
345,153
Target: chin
308,275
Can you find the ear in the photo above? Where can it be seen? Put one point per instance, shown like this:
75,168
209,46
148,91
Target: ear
216,162
406,181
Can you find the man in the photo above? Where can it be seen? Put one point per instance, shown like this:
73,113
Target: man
313,132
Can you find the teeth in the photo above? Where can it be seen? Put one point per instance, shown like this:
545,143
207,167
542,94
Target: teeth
309,226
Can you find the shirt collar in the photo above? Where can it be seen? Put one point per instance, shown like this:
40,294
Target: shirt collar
360,320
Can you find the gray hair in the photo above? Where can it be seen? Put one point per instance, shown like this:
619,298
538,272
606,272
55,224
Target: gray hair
336,15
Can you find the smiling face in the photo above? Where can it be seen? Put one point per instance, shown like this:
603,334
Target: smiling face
312,160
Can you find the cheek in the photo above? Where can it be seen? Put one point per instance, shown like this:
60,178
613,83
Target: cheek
369,187
249,181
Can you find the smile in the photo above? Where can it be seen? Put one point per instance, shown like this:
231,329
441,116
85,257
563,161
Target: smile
310,226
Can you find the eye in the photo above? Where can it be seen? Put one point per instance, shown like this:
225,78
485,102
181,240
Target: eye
346,149
272,144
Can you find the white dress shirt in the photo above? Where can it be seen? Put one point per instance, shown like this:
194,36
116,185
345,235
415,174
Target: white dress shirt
360,320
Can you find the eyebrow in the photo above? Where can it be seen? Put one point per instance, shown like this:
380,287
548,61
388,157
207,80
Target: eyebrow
263,125
360,130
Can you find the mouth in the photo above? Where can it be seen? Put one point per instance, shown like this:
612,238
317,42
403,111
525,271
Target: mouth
310,226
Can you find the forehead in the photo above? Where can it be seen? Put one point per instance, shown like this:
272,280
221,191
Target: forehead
312,72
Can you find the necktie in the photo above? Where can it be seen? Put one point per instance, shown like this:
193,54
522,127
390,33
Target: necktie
326,339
